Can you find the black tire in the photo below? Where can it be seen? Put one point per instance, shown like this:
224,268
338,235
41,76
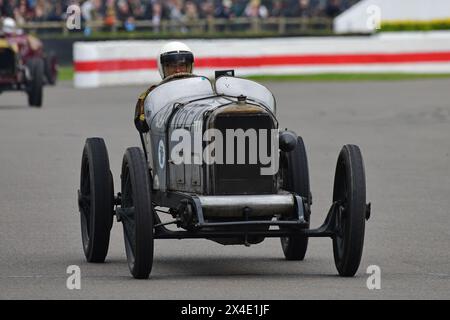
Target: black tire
36,83
137,219
51,68
350,191
296,179
96,200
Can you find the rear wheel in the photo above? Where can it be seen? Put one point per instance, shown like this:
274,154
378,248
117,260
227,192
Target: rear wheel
96,200
350,194
137,213
36,83
296,179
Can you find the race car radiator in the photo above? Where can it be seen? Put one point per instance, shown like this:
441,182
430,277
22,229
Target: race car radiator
241,125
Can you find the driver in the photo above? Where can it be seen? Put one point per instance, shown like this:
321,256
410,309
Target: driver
175,61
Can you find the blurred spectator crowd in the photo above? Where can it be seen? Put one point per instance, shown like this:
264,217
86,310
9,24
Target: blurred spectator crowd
128,11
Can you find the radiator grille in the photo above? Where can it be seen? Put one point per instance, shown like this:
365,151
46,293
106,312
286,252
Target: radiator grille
242,178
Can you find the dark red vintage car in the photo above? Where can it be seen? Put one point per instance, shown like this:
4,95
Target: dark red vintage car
25,66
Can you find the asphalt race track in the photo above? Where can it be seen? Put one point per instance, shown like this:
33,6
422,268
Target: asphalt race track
403,129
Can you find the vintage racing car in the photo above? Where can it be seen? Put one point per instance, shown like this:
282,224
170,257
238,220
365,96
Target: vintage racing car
182,177
25,66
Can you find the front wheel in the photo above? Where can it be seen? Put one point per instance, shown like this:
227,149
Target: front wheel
349,195
137,213
95,200
36,83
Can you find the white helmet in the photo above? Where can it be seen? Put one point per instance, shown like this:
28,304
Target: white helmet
9,25
174,54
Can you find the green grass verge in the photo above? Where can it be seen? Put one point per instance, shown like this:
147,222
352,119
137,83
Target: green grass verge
414,25
66,73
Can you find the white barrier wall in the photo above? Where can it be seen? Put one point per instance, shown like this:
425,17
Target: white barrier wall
359,17
134,62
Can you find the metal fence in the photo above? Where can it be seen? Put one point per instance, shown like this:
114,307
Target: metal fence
273,25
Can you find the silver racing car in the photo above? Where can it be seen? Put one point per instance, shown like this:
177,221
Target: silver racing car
214,165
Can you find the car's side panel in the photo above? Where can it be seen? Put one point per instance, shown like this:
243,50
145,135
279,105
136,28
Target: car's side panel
189,176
